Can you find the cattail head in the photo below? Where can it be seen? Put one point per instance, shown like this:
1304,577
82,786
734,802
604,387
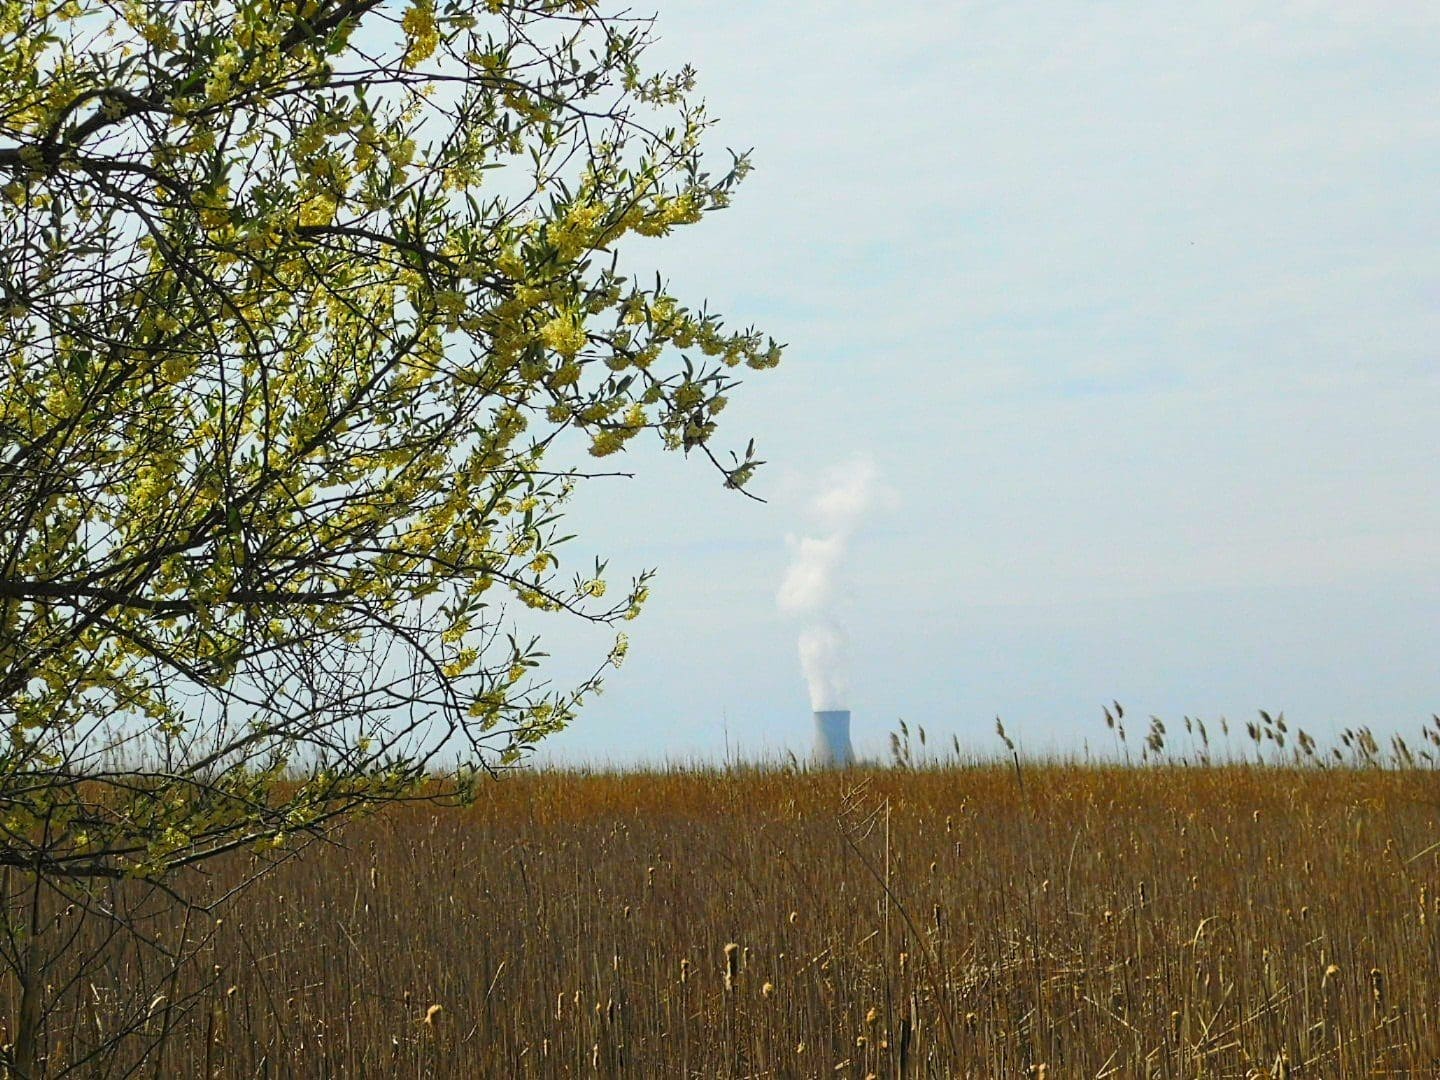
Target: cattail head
432,1015
732,965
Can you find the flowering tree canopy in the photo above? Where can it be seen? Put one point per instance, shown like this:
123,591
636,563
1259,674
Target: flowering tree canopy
311,315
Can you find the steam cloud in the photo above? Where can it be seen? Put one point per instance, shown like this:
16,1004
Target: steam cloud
808,589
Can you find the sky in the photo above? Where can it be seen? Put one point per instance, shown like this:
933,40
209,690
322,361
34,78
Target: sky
1124,314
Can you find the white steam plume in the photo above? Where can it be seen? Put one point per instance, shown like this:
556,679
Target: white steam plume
823,652
809,586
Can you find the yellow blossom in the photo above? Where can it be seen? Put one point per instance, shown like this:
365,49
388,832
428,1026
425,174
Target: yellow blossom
420,31
564,335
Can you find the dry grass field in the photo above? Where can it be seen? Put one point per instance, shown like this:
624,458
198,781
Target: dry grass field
977,921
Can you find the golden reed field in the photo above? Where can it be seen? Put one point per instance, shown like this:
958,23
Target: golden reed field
981,920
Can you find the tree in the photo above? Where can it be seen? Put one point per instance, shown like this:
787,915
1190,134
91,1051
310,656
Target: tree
309,313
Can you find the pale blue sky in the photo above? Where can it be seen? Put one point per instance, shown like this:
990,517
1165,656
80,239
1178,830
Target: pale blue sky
1134,306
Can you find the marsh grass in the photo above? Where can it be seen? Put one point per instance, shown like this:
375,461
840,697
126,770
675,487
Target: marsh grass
978,920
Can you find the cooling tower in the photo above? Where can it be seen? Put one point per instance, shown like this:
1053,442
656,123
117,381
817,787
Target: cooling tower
832,739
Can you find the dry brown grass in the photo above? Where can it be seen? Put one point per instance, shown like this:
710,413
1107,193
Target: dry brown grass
1072,921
